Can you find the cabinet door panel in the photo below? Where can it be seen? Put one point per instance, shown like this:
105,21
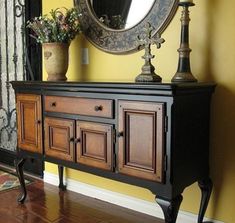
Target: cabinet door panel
141,147
94,147
59,138
29,117
135,155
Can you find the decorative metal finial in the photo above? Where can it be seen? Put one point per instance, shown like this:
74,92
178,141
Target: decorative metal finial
148,74
184,73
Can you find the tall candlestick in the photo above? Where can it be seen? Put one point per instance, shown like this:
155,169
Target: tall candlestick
184,73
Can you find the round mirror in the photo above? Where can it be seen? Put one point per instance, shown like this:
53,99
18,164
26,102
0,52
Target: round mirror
114,25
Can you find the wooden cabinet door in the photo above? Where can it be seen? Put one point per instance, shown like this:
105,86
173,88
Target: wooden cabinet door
29,121
94,144
59,138
141,139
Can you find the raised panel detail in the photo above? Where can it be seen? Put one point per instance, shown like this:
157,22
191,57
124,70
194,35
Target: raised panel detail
29,118
141,145
140,124
80,106
59,138
94,144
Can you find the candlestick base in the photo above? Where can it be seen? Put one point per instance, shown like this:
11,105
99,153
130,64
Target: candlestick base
183,77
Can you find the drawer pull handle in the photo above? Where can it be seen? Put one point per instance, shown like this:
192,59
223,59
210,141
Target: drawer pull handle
98,108
120,134
77,140
38,122
53,104
74,140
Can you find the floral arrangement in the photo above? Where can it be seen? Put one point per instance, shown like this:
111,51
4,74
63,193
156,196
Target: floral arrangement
61,26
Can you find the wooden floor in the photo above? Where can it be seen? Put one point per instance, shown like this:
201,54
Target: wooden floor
45,203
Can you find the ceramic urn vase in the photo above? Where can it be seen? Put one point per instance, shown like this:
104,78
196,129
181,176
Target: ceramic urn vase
56,60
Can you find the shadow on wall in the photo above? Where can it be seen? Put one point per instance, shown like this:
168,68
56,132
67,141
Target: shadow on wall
76,69
209,37
222,143
222,147
83,76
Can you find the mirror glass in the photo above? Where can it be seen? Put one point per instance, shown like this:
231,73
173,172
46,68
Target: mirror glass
121,14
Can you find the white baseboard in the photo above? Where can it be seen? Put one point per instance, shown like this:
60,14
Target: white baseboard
129,202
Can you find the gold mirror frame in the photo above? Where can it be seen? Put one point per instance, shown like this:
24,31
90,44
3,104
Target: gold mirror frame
124,41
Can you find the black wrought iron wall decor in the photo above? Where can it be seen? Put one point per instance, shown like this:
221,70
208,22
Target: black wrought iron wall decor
0,69
12,67
13,62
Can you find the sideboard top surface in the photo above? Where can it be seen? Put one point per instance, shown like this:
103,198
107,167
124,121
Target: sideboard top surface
167,89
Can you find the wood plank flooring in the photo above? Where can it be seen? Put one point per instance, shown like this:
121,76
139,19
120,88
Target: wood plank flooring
46,204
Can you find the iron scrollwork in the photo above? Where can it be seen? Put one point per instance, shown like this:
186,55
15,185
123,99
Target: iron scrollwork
8,127
12,67
19,8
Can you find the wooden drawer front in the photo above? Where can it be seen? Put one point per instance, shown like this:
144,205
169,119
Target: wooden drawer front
59,138
29,116
80,106
141,143
94,144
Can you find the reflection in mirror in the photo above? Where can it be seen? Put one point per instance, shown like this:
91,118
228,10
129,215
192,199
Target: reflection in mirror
121,14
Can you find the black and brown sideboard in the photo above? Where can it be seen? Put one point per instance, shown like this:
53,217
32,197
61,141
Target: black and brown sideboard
153,135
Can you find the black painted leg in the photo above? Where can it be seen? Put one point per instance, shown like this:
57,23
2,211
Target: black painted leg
61,174
19,170
206,188
170,208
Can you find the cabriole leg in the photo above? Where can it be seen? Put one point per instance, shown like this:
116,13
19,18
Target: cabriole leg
206,188
170,208
19,170
61,175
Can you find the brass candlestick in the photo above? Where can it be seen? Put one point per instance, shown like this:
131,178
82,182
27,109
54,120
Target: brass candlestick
148,71
184,73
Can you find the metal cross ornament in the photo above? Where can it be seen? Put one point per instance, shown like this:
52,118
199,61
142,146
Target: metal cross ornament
148,40
148,74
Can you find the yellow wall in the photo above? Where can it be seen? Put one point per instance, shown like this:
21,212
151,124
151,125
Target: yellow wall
213,59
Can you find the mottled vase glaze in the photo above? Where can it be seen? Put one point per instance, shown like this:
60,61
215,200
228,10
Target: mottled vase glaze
56,60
